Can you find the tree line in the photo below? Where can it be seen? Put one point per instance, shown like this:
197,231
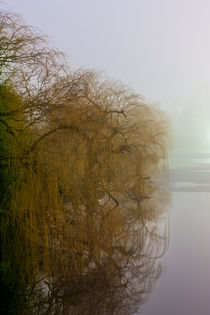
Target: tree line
77,209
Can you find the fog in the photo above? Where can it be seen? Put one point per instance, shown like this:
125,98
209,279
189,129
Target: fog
159,48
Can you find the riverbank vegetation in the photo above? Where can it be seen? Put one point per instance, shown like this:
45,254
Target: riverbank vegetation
78,205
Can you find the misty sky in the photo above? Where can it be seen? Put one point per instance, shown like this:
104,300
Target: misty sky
161,48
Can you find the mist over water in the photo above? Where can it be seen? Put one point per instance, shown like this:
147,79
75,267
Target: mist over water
185,285
160,264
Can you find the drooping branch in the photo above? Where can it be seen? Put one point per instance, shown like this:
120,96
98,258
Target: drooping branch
47,134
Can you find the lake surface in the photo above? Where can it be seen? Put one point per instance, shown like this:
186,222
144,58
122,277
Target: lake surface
184,286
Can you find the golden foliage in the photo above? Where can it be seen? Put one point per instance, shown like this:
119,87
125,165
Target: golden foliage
82,157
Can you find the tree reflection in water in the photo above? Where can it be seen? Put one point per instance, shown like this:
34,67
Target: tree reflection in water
120,280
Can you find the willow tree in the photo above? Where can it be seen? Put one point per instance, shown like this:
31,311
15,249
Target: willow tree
80,152
27,69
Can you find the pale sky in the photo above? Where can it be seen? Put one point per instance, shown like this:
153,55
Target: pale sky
161,48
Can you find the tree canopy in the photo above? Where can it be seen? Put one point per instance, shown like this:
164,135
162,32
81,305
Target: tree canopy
78,204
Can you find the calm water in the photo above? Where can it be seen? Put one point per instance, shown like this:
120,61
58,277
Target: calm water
184,286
